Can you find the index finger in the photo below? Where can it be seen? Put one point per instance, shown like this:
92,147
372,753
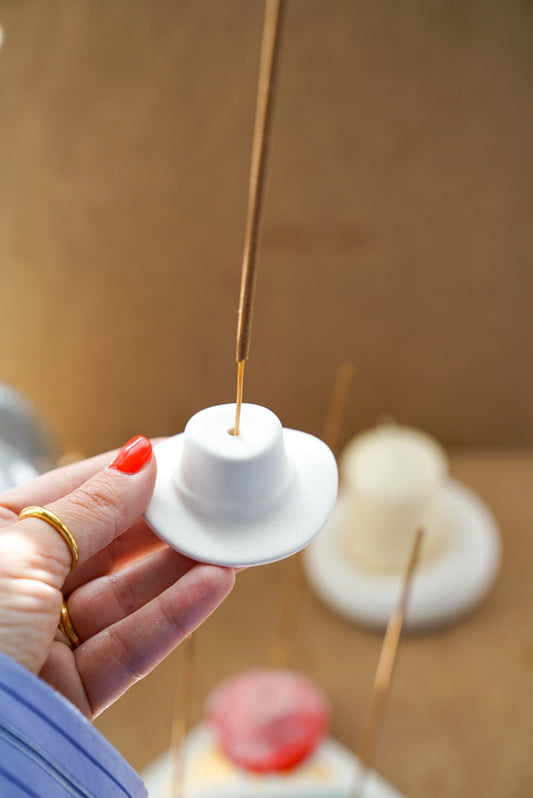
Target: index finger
95,513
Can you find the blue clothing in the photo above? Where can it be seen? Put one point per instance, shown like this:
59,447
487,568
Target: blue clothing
48,749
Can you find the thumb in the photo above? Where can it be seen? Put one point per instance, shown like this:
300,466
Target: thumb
96,513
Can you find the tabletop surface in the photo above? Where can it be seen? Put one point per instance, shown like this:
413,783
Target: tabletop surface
459,720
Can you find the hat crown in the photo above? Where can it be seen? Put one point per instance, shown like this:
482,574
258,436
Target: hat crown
220,469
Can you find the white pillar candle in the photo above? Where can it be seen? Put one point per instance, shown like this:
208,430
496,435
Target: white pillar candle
392,478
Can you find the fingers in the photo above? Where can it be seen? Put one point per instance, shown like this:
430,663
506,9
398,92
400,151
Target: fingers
109,599
96,512
59,670
111,661
137,542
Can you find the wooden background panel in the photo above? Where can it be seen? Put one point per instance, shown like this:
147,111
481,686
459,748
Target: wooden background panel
396,229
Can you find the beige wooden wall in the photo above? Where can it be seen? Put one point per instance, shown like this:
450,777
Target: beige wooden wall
397,228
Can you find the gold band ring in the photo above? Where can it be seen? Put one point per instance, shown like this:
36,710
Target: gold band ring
51,518
65,626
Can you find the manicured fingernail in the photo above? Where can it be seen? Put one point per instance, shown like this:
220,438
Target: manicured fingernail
133,455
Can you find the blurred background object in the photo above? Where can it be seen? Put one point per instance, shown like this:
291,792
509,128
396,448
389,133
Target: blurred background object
26,447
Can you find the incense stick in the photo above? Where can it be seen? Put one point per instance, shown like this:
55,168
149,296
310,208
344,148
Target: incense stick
267,73
294,584
385,668
288,614
263,115
337,405
181,719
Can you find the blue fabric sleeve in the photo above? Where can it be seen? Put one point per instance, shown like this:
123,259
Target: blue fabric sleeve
48,749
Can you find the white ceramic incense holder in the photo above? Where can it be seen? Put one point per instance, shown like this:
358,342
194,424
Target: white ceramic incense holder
241,500
395,480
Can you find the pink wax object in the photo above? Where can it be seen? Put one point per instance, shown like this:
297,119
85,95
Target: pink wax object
268,720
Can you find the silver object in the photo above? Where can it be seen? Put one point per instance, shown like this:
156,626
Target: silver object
26,447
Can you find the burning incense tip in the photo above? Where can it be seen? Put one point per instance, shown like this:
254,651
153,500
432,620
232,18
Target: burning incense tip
238,404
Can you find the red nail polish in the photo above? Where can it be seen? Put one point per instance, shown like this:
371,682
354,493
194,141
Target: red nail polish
133,455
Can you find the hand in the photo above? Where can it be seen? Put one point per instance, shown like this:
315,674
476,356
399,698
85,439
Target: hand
131,599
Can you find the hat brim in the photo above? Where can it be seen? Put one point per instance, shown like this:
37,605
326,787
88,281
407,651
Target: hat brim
444,588
231,540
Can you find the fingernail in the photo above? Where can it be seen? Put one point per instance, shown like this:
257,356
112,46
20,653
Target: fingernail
133,455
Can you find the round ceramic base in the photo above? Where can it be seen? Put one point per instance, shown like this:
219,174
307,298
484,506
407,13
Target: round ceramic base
236,538
443,588
332,771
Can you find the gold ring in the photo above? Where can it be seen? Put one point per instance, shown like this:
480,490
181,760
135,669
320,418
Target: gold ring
65,626
51,518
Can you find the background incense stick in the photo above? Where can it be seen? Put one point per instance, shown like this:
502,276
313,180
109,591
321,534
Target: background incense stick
294,583
265,94
385,668
181,719
337,405
288,613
